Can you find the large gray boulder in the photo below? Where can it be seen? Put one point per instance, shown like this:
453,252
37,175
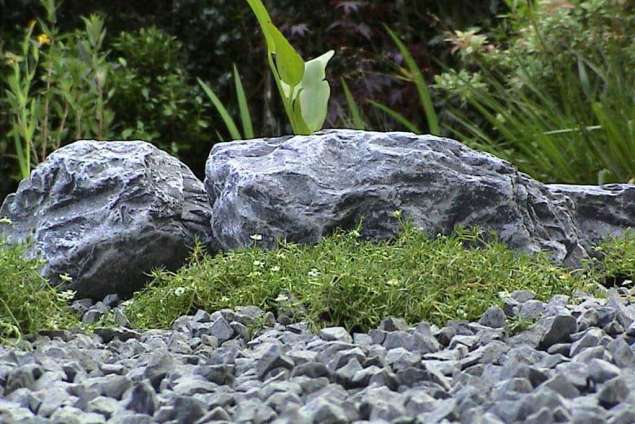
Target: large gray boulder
107,213
302,188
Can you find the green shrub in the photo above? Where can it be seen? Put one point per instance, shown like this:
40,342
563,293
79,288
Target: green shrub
55,87
346,281
554,94
154,99
28,303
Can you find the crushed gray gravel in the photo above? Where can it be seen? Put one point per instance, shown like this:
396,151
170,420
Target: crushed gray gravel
575,363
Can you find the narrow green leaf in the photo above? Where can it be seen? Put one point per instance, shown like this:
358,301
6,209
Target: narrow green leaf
264,19
396,116
584,79
289,63
353,108
420,83
227,119
243,106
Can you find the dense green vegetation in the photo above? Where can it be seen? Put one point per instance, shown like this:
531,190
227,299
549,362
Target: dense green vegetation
354,283
542,83
27,302
545,84
343,280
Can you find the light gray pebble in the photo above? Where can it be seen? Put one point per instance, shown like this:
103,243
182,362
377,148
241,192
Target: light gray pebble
335,334
574,365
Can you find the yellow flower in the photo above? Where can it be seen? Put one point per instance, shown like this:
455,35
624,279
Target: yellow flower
43,39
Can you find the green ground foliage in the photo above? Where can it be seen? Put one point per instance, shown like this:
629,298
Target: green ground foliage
28,303
343,280
354,283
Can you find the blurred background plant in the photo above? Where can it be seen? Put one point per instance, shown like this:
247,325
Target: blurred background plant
542,83
155,98
55,89
551,89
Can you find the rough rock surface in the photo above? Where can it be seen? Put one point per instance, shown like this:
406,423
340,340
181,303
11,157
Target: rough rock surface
302,188
600,211
465,372
106,213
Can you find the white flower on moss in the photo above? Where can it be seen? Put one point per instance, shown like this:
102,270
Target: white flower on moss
393,282
67,295
281,298
259,264
66,278
179,291
6,221
275,268
256,237
397,214
313,273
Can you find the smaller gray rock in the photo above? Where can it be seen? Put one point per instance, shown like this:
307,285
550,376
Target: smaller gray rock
445,335
621,353
95,313
601,371
216,414
25,399
346,374
321,410
522,296
532,309
311,369
221,329
104,406
591,338
393,324
494,317
272,358
332,334
71,415
560,384
141,398
558,330
255,412
543,416
624,416
613,392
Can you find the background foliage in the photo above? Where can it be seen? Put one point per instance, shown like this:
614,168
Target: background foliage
542,83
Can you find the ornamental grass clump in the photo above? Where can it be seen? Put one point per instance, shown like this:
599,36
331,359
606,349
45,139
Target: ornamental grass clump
28,303
347,281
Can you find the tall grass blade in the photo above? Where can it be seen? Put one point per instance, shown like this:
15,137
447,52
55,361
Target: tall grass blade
422,88
227,119
243,106
396,116
353,108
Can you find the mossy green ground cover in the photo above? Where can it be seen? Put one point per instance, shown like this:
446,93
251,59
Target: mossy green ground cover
350,282
343,280
27,302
